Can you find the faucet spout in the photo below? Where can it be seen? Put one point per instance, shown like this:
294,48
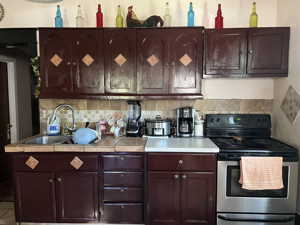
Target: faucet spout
58,108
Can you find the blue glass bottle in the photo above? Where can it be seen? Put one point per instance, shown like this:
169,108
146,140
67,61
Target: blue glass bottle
58,19
191,16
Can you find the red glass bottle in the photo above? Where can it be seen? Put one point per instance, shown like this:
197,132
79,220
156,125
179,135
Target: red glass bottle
99,17
219,18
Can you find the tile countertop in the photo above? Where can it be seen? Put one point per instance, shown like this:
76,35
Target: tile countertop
107,144
195,145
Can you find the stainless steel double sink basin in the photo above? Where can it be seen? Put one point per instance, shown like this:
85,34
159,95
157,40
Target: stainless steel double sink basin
48,140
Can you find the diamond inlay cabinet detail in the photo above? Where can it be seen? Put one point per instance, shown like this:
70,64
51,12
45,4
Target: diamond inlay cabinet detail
153,60
76,163
88,60
185,60
291,104
56,60
120,60
32,162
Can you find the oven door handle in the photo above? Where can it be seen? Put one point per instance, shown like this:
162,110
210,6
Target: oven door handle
256,220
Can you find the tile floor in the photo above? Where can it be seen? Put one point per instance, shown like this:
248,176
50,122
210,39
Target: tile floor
7,216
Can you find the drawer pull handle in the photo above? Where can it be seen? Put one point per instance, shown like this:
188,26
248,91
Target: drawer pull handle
184,176
122,206
50,180
122,175
59,179
180,162
176,176
122,158
122,190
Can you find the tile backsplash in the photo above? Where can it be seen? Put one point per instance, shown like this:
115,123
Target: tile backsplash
95,110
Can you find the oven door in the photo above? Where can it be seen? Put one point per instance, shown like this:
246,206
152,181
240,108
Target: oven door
254,219
232,198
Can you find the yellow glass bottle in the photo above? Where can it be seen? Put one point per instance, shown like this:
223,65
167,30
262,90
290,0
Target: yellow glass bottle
119,18
253,16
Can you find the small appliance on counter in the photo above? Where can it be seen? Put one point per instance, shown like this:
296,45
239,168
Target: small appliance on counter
134,125
158,127
185,121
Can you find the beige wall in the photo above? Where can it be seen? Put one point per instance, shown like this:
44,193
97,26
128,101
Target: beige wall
23,13
288,15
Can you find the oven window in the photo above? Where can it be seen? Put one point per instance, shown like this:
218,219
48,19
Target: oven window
234,188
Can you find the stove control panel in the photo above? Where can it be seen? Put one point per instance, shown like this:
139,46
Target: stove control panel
241,121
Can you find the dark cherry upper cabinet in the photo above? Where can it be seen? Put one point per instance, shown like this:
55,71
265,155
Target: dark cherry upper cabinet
246,52
56,65
163,198
152,62
88,62
200,209
35,193
120,61
73,205
225,52
268,52
186,50
72,63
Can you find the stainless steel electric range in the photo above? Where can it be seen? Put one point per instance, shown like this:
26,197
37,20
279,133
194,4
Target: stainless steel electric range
240,135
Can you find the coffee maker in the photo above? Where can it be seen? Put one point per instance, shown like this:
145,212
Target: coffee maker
185,121
133,128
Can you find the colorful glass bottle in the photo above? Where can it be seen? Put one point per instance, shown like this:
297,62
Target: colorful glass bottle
79,17
99,17
219,19
167,16
58,18
191,16
253,16
119,18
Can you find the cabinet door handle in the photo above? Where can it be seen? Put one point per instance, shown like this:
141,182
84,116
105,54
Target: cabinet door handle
74,63
122,206
184,176
176,176
180,162
77,42
68,63
250,52
59,179
110,41
122,158
123,190
50,180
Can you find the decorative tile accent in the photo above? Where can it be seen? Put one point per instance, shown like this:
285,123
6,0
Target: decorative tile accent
56,60
88,60
120,60
32,162
291,104
185,60
153,60
76,163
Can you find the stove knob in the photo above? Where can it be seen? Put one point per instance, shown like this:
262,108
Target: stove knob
218,120
212,120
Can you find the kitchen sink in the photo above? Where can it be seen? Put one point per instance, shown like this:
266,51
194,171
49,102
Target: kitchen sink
48,140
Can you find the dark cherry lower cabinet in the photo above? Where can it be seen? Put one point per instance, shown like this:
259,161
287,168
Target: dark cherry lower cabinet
180,196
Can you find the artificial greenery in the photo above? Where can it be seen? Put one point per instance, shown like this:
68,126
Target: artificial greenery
35,64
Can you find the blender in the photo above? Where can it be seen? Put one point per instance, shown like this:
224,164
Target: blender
133,128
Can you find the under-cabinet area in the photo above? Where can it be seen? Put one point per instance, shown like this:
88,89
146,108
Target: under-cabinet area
128,188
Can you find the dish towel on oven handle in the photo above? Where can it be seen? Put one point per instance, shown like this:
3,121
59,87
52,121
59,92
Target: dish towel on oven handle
261,173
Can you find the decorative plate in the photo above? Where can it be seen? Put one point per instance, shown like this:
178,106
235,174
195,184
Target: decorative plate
1,12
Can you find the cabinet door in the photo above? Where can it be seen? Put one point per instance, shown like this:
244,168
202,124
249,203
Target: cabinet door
163,198
35,197
120,61
198,198
186,51
225,52
56,66
77,195
268,52
152,62
88,62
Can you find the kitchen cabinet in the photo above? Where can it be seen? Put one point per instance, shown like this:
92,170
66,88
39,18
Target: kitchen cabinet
181,194
123,188
72,63
246,52
120,61
53,190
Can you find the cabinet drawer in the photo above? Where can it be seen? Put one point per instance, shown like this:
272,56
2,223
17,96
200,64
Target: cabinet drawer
56,162
123,213
182,162
123,162
126,194
118,179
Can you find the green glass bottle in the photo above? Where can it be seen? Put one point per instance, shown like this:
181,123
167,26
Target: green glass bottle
253,16
119,18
